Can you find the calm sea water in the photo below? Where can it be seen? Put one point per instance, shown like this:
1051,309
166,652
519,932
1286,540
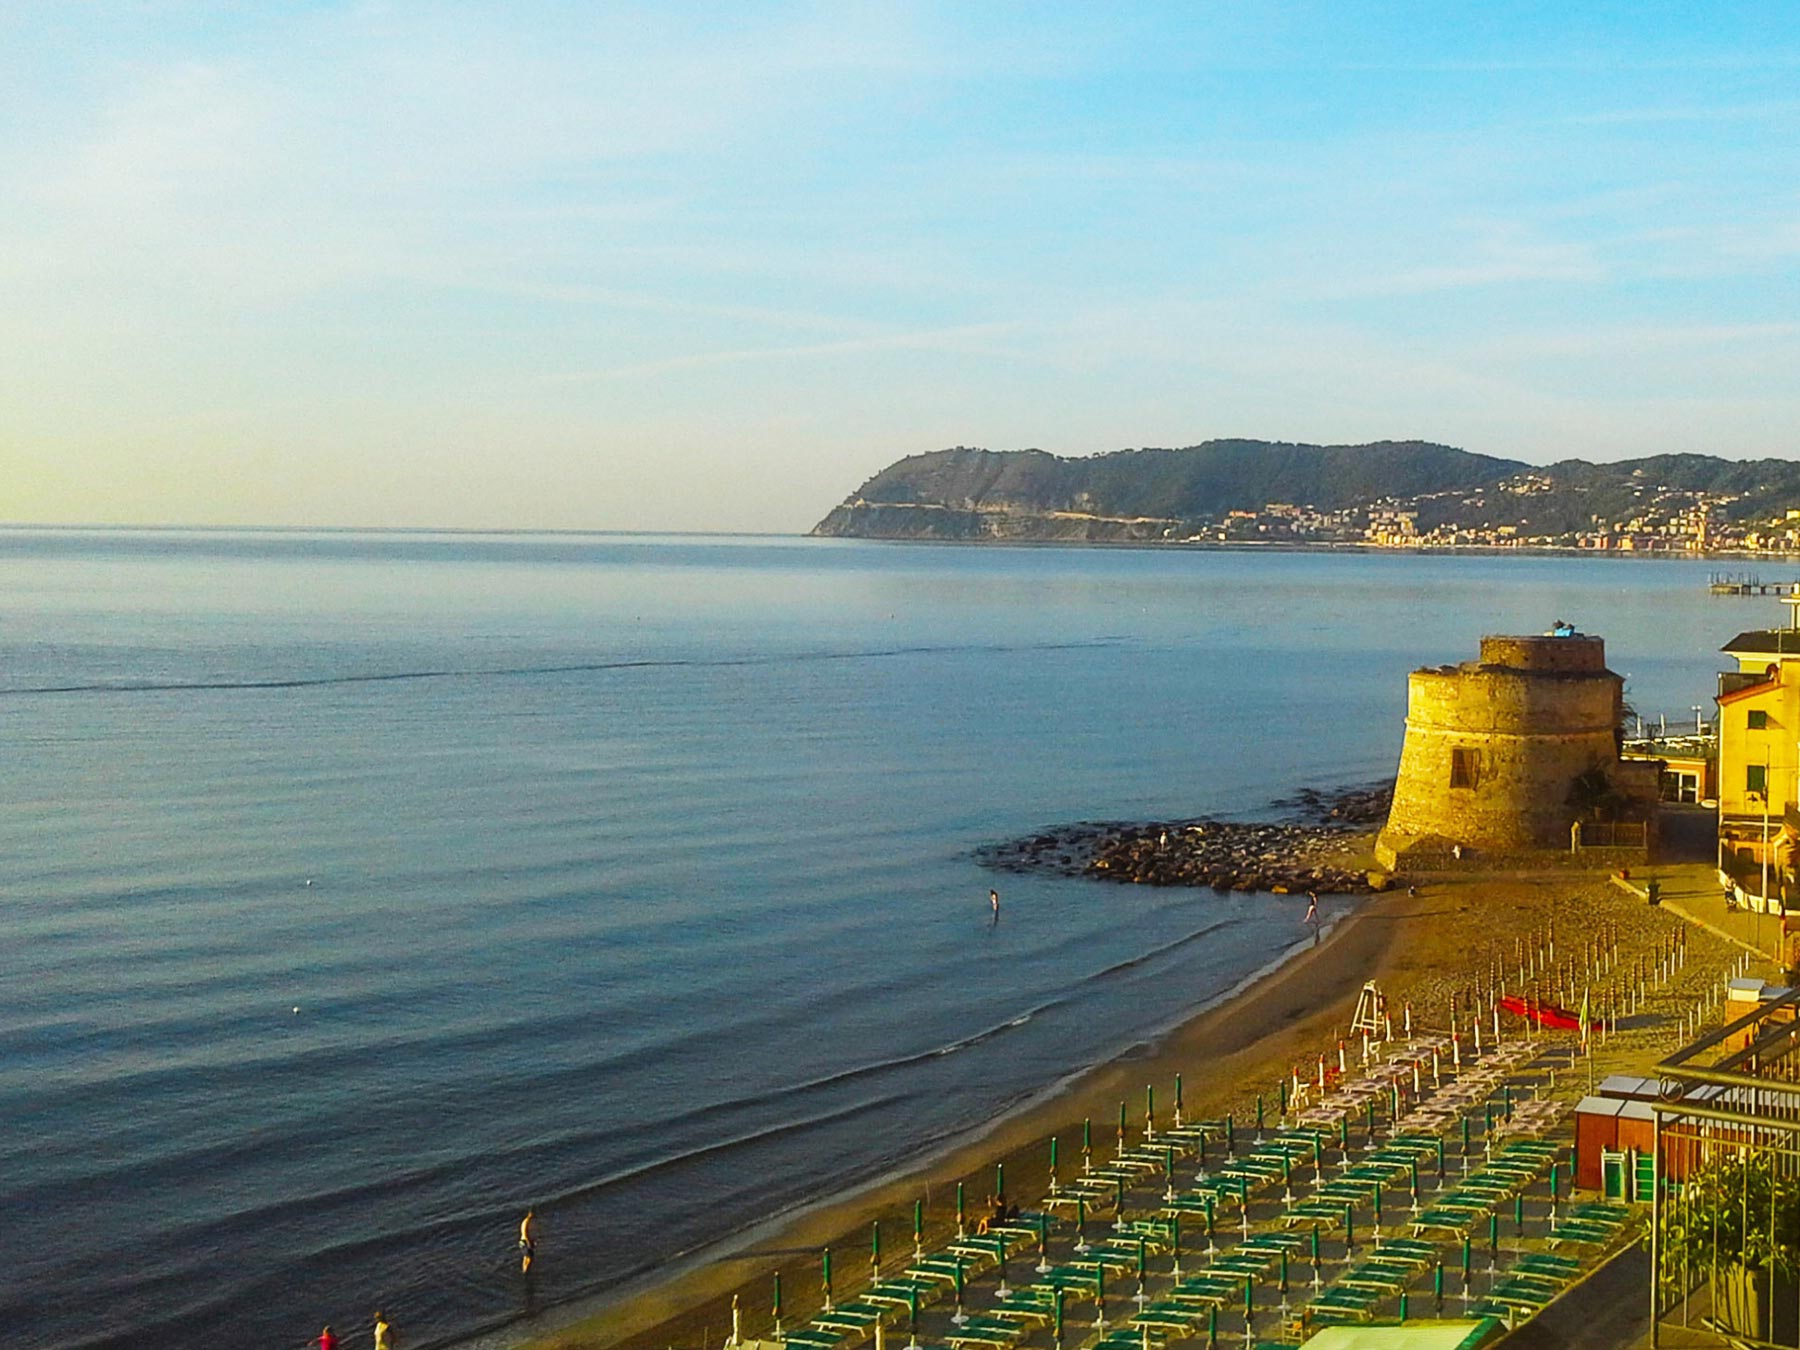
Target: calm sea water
358,890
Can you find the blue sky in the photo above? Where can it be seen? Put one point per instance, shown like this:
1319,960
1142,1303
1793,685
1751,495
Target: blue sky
593,266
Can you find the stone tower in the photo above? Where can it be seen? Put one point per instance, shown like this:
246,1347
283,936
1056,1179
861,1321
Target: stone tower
1494,748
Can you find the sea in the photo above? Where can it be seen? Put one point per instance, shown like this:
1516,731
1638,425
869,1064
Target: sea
360,889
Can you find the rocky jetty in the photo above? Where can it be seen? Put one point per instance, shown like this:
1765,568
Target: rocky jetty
1307,851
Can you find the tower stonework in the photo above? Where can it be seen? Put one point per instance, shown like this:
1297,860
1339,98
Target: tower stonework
1494,748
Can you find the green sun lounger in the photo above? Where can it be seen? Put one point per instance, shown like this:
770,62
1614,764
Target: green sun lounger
1520,1294
1168,1318
1326,1213
1582,1233
1549,1263
1212,1289
997,1335
1343,1298
1456,1219
1377,1279
812,1338
1082,1280
1274,1243
1126,1338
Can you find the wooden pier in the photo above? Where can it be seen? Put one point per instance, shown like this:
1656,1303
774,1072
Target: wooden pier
1748,583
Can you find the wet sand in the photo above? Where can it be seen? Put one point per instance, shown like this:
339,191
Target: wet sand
1422,948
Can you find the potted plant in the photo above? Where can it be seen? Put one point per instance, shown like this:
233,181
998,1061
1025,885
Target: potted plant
1738,1220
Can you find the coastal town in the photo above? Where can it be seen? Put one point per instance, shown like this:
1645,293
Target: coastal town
1660,520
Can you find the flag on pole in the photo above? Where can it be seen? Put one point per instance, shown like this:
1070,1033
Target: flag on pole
1584,1016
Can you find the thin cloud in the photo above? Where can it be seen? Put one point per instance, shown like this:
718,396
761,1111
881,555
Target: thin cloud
1740,112
963,339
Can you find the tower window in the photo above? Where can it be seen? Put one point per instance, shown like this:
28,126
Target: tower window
1465,767
1759,720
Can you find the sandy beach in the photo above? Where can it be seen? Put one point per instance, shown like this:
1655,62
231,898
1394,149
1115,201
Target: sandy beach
1423,948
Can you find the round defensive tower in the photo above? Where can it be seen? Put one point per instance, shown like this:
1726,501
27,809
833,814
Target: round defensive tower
1493,747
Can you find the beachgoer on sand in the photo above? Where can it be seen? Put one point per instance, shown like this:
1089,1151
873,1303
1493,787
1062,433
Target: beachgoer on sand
384,1334
327,1339
527,1239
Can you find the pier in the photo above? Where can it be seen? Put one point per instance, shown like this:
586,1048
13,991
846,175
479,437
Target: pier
1748,583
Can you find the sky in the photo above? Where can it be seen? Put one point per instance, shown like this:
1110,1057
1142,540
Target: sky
710,267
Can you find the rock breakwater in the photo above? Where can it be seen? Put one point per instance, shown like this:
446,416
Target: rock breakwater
1311,851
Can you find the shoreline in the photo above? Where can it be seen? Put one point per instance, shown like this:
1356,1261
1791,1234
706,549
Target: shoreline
1358,547
1249,1033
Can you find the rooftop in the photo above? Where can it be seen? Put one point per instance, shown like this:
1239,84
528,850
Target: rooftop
1774,641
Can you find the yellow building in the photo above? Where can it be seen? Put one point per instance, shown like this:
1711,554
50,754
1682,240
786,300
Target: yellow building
1759,756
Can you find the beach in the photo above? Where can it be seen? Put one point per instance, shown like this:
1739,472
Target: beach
1423,949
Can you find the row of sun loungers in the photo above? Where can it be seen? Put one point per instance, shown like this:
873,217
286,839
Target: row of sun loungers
1290,1162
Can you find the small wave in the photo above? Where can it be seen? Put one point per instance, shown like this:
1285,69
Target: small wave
511,672
1142,958
855,1073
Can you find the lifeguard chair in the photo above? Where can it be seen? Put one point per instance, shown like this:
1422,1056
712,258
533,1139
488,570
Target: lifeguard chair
1371,1013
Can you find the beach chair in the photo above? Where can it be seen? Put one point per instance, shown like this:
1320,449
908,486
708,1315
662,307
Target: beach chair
1582,1233
1374,1278
1170,1319
1210,1289
1454,1219
1322,1212
1030,1297
809,1337
1549,1263
1193,1132
1524,1296
1154,1230
1273,1243
1412,1250
898,1294
939,1270
1601,1211
979,1250
1126,1338
1345,1192
1242,1264
1018,1235
991,1333
850,1321
1349,1304
1025,1315
1112,1253
1083,1281
1529,1148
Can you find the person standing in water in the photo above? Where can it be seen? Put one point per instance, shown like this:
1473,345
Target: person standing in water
328,1339
384,1334
527,1240
994,900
